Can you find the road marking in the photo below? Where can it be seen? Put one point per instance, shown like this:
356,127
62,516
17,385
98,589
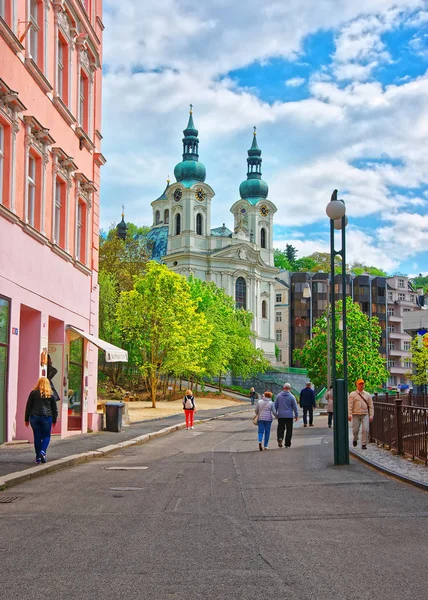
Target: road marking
124,468
126,489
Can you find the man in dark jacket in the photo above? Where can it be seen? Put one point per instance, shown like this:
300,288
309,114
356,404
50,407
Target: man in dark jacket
307,402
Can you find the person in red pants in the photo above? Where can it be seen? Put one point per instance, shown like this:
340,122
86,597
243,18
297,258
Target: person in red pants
189,408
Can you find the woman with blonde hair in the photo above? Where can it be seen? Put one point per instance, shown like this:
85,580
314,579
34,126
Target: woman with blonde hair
41,413
189,408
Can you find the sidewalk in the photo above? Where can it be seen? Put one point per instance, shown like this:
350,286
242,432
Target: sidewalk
18,458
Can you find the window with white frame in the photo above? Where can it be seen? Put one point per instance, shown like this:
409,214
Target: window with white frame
389,295
81,232
279,298
278,317
83,100
391,345
390,312
391,329
62,73
407,346
407,363
278,335
391,362
35,32
2,161
401,296
401,283
406,310
60,213
32,189
264,309
279,355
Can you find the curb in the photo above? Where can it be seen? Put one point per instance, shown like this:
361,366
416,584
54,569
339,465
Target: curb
393,474
8,481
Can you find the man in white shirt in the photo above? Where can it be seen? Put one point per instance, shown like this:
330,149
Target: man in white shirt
360,412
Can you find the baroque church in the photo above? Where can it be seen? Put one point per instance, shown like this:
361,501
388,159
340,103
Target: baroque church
240,261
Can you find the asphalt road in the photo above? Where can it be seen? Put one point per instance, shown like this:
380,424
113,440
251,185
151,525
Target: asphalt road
213,518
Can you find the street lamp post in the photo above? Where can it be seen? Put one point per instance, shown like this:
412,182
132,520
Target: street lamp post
336,211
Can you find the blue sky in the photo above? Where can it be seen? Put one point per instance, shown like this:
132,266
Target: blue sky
338,91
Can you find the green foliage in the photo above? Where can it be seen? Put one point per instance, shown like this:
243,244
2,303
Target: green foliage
231,347
165,332
290,253
421,281
419,351
363,341
123,259
281,261
359,268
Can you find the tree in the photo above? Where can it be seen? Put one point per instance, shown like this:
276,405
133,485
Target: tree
123,259
359,268
322,262
421,281
419,352
164,331
364,358
281,261
232,347
290,253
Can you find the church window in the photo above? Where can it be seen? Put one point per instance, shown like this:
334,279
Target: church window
199,224
166,217
178,224
264,309
263,237
241,293
157,217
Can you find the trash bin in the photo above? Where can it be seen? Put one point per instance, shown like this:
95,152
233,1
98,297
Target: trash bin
114,416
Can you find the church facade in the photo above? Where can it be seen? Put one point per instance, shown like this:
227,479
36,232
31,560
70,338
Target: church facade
240,261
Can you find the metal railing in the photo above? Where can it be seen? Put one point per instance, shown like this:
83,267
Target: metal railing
401,427
409,399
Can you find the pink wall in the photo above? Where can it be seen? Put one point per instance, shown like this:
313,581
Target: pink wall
49,283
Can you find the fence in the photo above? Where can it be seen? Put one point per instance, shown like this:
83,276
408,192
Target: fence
401,427
409,399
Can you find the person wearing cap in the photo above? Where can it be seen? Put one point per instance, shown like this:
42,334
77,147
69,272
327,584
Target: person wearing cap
360,413
307,402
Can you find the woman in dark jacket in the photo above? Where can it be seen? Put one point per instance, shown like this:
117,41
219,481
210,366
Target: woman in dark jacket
41,413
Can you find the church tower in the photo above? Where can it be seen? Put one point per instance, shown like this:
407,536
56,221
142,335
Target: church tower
189,204
253,213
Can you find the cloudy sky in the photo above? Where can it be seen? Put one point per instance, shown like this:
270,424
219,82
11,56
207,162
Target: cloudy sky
338,90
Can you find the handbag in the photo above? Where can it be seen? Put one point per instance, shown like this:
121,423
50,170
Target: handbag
256,420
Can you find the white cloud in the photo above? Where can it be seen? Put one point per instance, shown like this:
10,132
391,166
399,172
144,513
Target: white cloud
161,58
295,82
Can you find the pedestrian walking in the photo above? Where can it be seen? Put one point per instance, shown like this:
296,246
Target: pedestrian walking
361,413
41,413
265,410
189,408
286,408
307,402
329,398
252,395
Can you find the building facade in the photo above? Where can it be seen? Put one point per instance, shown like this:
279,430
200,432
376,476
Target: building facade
402,300
50,159
241,262
282,319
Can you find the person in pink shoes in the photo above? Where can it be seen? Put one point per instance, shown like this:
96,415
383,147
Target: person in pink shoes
189,408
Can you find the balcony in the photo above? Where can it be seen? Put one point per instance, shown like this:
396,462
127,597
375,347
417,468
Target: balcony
395,319
395,335
398,370
398,352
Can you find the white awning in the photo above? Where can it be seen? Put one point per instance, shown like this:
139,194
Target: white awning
113,353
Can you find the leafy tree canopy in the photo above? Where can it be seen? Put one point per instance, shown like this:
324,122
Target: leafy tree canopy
358,268
419,352
364,358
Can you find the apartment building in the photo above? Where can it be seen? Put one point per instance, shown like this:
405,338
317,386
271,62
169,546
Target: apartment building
402,299
282,319
50,160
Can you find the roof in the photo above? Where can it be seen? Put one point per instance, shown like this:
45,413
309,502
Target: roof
159,238
222,231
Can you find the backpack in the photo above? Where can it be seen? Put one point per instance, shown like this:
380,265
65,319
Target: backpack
188,403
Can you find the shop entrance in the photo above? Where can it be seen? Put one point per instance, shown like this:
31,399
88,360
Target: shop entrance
4,353
75,383
55,366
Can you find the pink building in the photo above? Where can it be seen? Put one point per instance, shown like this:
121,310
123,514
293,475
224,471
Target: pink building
50,159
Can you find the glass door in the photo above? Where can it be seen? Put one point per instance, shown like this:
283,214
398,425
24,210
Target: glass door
4,351
75,384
